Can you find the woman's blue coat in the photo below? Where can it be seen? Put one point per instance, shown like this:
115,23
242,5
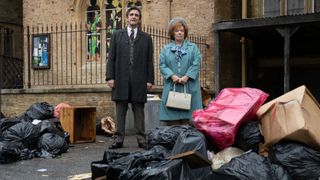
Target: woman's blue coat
190,66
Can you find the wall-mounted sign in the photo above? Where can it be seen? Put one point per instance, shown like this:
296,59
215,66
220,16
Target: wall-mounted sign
40,51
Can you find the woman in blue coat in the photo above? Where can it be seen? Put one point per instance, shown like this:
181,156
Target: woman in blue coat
180,65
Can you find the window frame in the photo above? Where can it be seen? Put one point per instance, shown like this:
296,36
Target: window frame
308,7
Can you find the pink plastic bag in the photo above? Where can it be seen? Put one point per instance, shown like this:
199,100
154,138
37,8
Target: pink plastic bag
58,108
232,107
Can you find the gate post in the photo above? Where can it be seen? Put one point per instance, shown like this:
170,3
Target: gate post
29,60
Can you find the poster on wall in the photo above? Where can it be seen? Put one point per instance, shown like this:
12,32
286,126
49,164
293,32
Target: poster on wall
40,51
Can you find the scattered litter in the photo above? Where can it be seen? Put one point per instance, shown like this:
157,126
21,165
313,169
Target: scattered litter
153,97
41,170
83,176
36,121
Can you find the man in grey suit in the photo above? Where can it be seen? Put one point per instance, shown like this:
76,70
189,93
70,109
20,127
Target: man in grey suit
130,75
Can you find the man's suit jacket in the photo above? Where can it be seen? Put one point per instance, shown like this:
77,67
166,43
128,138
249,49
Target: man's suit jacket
142,67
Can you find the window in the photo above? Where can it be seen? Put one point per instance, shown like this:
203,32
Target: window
295,7
113,17
113,10
93,33
271,8
135,3
316,5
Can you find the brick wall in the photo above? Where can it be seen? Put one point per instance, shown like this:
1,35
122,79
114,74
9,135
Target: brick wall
200,15
15,103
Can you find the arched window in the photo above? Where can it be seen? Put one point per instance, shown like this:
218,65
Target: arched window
113,11
101,25
134,3
93,33
115,15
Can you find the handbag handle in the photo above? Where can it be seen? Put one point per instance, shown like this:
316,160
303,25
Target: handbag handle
184,88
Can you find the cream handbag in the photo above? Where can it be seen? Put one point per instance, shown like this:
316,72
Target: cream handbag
179,100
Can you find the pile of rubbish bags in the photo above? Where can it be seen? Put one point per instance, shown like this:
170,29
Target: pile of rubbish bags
228,134
163,142
36,133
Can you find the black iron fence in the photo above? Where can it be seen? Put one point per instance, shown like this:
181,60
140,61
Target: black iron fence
60,55
67,56
11,76
11,63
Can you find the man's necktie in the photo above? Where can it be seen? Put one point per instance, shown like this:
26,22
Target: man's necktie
132,35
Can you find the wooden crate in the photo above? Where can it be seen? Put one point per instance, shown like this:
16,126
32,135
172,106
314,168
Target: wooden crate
80,123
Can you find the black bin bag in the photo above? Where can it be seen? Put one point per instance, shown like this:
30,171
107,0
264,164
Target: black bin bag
52,144
1,115
192,140
301,161
99,168
167,170
40,111
23,132
129,166
251,166
9,152
165,136
249,136
6,123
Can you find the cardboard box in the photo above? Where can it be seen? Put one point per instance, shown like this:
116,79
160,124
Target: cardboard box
80,123
293,116
301,94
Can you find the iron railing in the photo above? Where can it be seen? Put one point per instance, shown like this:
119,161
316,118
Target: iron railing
11,63
69,57
11,76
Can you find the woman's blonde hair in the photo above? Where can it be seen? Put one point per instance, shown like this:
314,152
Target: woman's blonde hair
175,23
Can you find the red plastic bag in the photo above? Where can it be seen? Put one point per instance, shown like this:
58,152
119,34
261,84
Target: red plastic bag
58,108
232,107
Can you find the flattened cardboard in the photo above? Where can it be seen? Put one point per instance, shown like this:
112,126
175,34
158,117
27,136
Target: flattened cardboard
293,116
194,159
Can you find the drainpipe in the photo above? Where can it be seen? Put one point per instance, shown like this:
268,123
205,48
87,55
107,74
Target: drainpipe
169,9
243,49
1,72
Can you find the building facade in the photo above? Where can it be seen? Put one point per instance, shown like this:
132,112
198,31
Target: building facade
65,45
277,44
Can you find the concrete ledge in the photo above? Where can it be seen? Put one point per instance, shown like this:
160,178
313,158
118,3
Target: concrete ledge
44,90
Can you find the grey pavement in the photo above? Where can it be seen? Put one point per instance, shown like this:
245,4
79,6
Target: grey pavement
74,162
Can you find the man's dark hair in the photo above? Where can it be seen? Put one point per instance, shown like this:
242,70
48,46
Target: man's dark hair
133,8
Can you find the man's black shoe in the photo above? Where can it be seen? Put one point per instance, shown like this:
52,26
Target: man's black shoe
142,145
116,145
